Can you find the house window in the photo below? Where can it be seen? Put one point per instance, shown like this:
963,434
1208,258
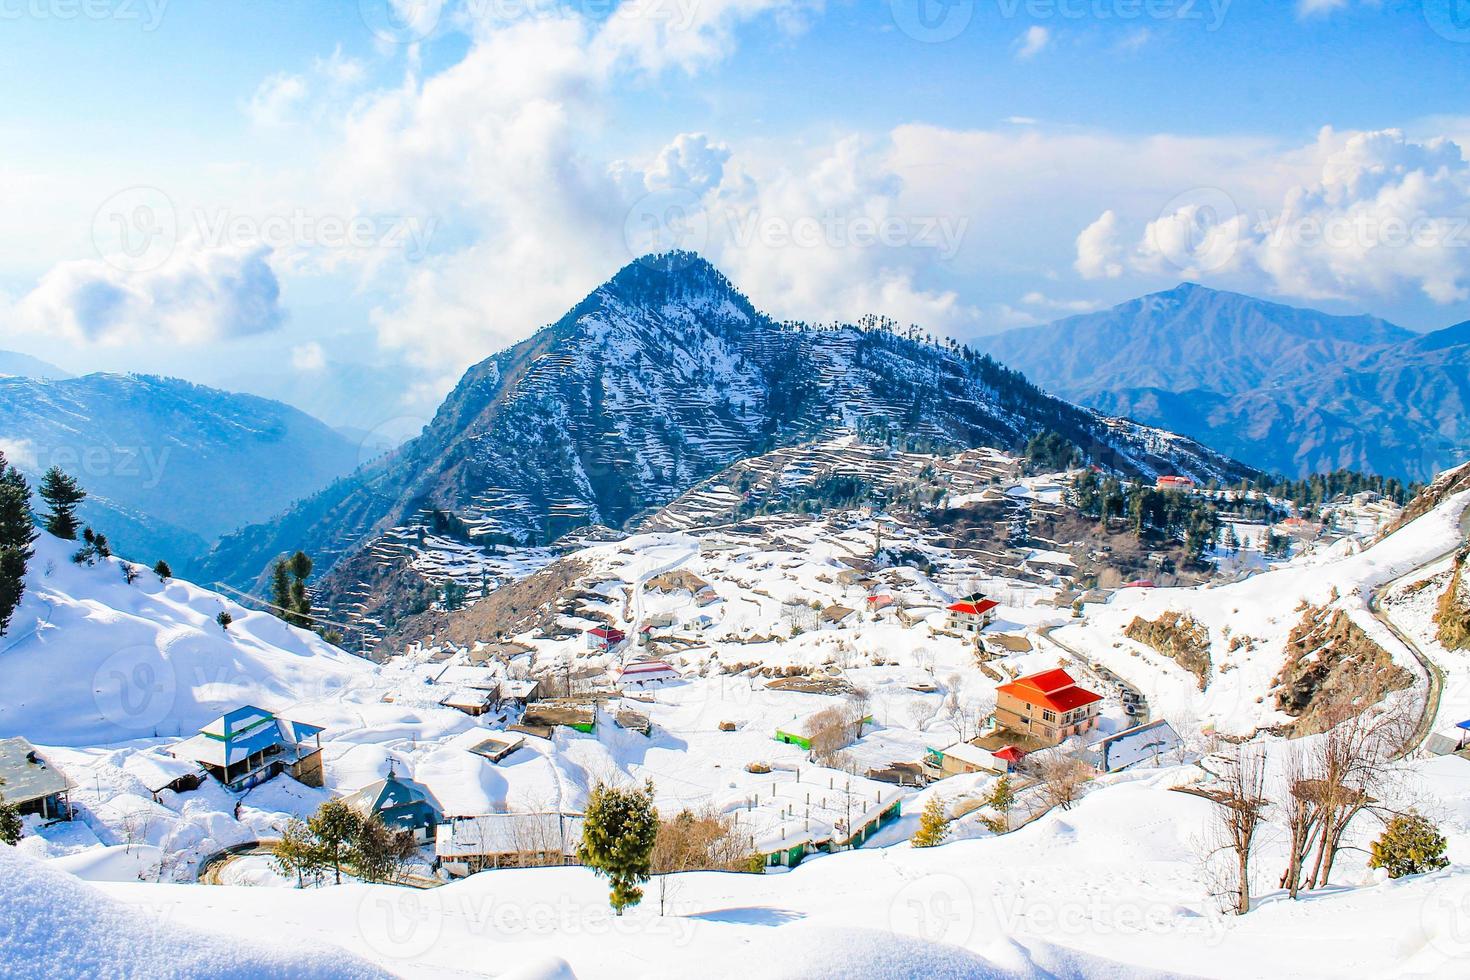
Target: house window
1048,716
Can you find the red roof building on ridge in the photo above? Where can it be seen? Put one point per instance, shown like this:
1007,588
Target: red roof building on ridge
973,608
1048,705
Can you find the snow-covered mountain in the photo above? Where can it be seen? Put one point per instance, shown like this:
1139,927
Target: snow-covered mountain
658,379
1286,389
169,465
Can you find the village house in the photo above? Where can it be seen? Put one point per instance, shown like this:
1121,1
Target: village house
466,845
401,804
1174,483
646,673
605,638
498,745
247,746
160,772
1047,705
837,616
814,810
971,615
472,701
1144,743
31,784
999,752
803,728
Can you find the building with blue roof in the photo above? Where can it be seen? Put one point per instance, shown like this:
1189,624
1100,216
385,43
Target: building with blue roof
245,747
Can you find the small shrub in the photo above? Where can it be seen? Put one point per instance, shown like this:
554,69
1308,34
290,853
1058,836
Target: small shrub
1410,845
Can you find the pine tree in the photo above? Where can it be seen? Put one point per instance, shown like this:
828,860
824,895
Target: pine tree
62,494
335,825
17,532
11,827
281,589
1002,800
1410,845
162,570
617,840
224,619
933,825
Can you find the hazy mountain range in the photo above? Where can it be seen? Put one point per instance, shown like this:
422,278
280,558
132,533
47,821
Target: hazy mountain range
1284,389
168,465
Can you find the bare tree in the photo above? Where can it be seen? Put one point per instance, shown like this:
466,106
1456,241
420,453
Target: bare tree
1061,776
703,840
1353,760
1303,816
1241,804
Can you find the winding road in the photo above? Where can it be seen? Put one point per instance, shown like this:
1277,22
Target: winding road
1432,670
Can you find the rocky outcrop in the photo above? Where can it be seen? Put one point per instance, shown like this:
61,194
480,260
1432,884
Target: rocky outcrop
1179,637
1333,670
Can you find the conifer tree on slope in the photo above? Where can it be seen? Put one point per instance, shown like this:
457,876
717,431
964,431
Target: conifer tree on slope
617,840
62,494
17,532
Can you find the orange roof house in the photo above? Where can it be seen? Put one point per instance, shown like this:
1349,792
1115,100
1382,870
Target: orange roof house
1048,705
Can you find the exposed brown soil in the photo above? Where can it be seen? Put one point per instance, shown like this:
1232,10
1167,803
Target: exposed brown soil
1179,637
1333,670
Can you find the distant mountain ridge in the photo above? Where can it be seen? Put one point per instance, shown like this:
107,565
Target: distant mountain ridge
1282,388
169,466
656,380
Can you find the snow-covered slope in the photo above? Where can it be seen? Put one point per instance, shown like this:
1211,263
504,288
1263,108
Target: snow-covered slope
91,659
1249,623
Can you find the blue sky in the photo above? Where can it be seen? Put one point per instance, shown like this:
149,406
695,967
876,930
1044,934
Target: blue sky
971,166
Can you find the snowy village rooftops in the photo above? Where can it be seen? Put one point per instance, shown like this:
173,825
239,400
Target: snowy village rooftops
967,607
812,807
1052,689
27,777
237,735
509,833
391,793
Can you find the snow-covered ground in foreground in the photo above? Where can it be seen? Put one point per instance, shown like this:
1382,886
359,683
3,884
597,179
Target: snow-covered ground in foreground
1109,888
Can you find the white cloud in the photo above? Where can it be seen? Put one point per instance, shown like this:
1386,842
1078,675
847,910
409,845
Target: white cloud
308,357
1099,252
1309,8
1374,214
276,99
1033,42
198,295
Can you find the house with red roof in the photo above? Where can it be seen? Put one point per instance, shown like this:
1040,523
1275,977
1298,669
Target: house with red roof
646,673
1174,483
1049,706
605,638
971,615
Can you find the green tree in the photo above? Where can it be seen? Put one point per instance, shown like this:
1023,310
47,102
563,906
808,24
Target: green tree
297,853
11,827
17,533
617,840
1002,800
1410,845
281,589
335,826
380,852
224,619
62,494
933,825
162,570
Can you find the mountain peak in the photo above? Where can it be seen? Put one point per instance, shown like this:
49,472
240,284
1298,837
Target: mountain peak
676,277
